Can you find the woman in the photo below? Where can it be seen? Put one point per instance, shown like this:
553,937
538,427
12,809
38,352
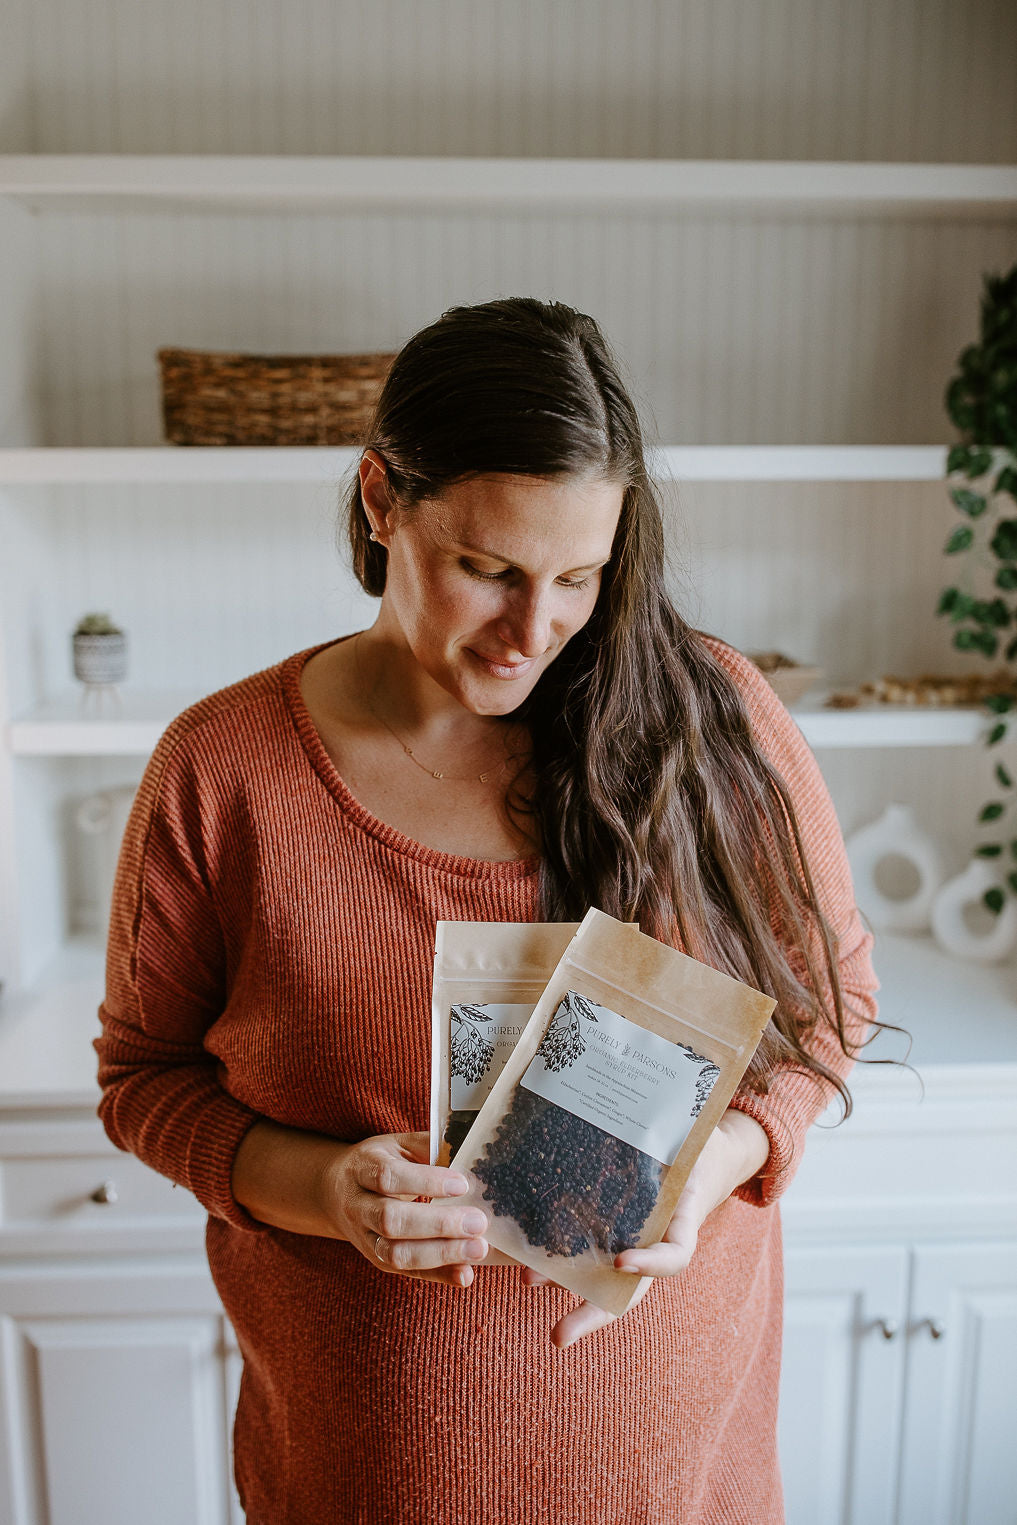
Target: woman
527,729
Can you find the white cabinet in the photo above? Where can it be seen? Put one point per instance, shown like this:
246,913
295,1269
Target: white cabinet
840,1413
117,1365
898,1402
119,1410
960,1454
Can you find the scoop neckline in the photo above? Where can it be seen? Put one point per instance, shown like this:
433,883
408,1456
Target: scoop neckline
364,819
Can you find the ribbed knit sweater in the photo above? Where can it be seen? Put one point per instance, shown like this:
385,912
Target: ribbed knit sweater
270,955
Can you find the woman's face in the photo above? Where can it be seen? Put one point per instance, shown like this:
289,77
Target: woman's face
489,582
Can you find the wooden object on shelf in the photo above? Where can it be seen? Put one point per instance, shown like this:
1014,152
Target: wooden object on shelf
790,680
212,398
927,690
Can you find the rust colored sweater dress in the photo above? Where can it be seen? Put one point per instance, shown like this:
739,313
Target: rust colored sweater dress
270,954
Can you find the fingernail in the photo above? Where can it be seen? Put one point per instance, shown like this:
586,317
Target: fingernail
476,1249
456,1186
464,1277
632,1270
474,1222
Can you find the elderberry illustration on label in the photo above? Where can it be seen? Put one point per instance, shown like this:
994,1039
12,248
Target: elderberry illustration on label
482,1036
633,1084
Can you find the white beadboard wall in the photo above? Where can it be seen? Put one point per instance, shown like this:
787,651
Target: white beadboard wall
211,587
213,584
807,330
791,79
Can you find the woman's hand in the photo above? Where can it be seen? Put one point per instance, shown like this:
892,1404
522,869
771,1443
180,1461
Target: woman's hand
374,1189
364,1193
736,1149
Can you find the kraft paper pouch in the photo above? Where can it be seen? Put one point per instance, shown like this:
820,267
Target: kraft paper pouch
588,1136
488,976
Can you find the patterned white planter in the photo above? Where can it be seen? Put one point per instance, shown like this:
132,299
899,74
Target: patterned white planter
100,659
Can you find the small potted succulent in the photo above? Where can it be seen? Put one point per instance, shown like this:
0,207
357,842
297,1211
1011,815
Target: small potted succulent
100,651
981,400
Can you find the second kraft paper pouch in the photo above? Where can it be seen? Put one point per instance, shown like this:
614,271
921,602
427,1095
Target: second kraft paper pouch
587,1138
488,976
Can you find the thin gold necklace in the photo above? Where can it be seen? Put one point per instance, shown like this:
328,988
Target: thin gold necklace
452,778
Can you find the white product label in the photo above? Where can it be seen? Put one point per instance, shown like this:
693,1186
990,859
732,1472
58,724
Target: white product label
630,1082
481,1039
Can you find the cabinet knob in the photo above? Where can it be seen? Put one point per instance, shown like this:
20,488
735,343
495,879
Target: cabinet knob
933,1325
889,1328
107,1192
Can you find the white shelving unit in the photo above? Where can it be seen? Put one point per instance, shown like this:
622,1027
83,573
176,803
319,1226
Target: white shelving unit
293,464
69,504
83,182
60,729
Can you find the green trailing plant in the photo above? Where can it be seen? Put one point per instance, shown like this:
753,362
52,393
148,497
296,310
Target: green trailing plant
96,624
981,400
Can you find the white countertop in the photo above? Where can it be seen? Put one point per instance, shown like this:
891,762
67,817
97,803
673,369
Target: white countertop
959,1015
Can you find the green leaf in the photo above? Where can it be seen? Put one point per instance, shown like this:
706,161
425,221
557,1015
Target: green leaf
1004,542
959,540
1000,704
1011,880
1013,847
970,503
1011,650
996,734
1003,776
1005,482
994,899
976,640
991,812
958,458
981,462
991,612
948,599
989,850
1006,577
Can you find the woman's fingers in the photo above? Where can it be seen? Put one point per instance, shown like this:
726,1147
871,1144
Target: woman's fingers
668,1258
585,1318
427,1254
581,1321
403,1213
395,1218
380,1166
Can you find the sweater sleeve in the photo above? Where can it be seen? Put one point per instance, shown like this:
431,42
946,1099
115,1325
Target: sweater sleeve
165,985
795,1099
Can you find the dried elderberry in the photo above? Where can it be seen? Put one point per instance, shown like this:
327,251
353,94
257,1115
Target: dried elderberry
457,1127
569,1185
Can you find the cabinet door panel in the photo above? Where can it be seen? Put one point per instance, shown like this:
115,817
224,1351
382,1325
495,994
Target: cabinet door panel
131,1419
112,1394
839,1403
960,1443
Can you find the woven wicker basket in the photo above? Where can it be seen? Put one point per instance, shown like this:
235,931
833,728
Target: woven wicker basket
221,399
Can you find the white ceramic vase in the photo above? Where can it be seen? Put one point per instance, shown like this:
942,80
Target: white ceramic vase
103,818
896,834
950,926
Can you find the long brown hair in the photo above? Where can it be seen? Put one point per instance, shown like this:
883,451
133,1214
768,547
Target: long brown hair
652,800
